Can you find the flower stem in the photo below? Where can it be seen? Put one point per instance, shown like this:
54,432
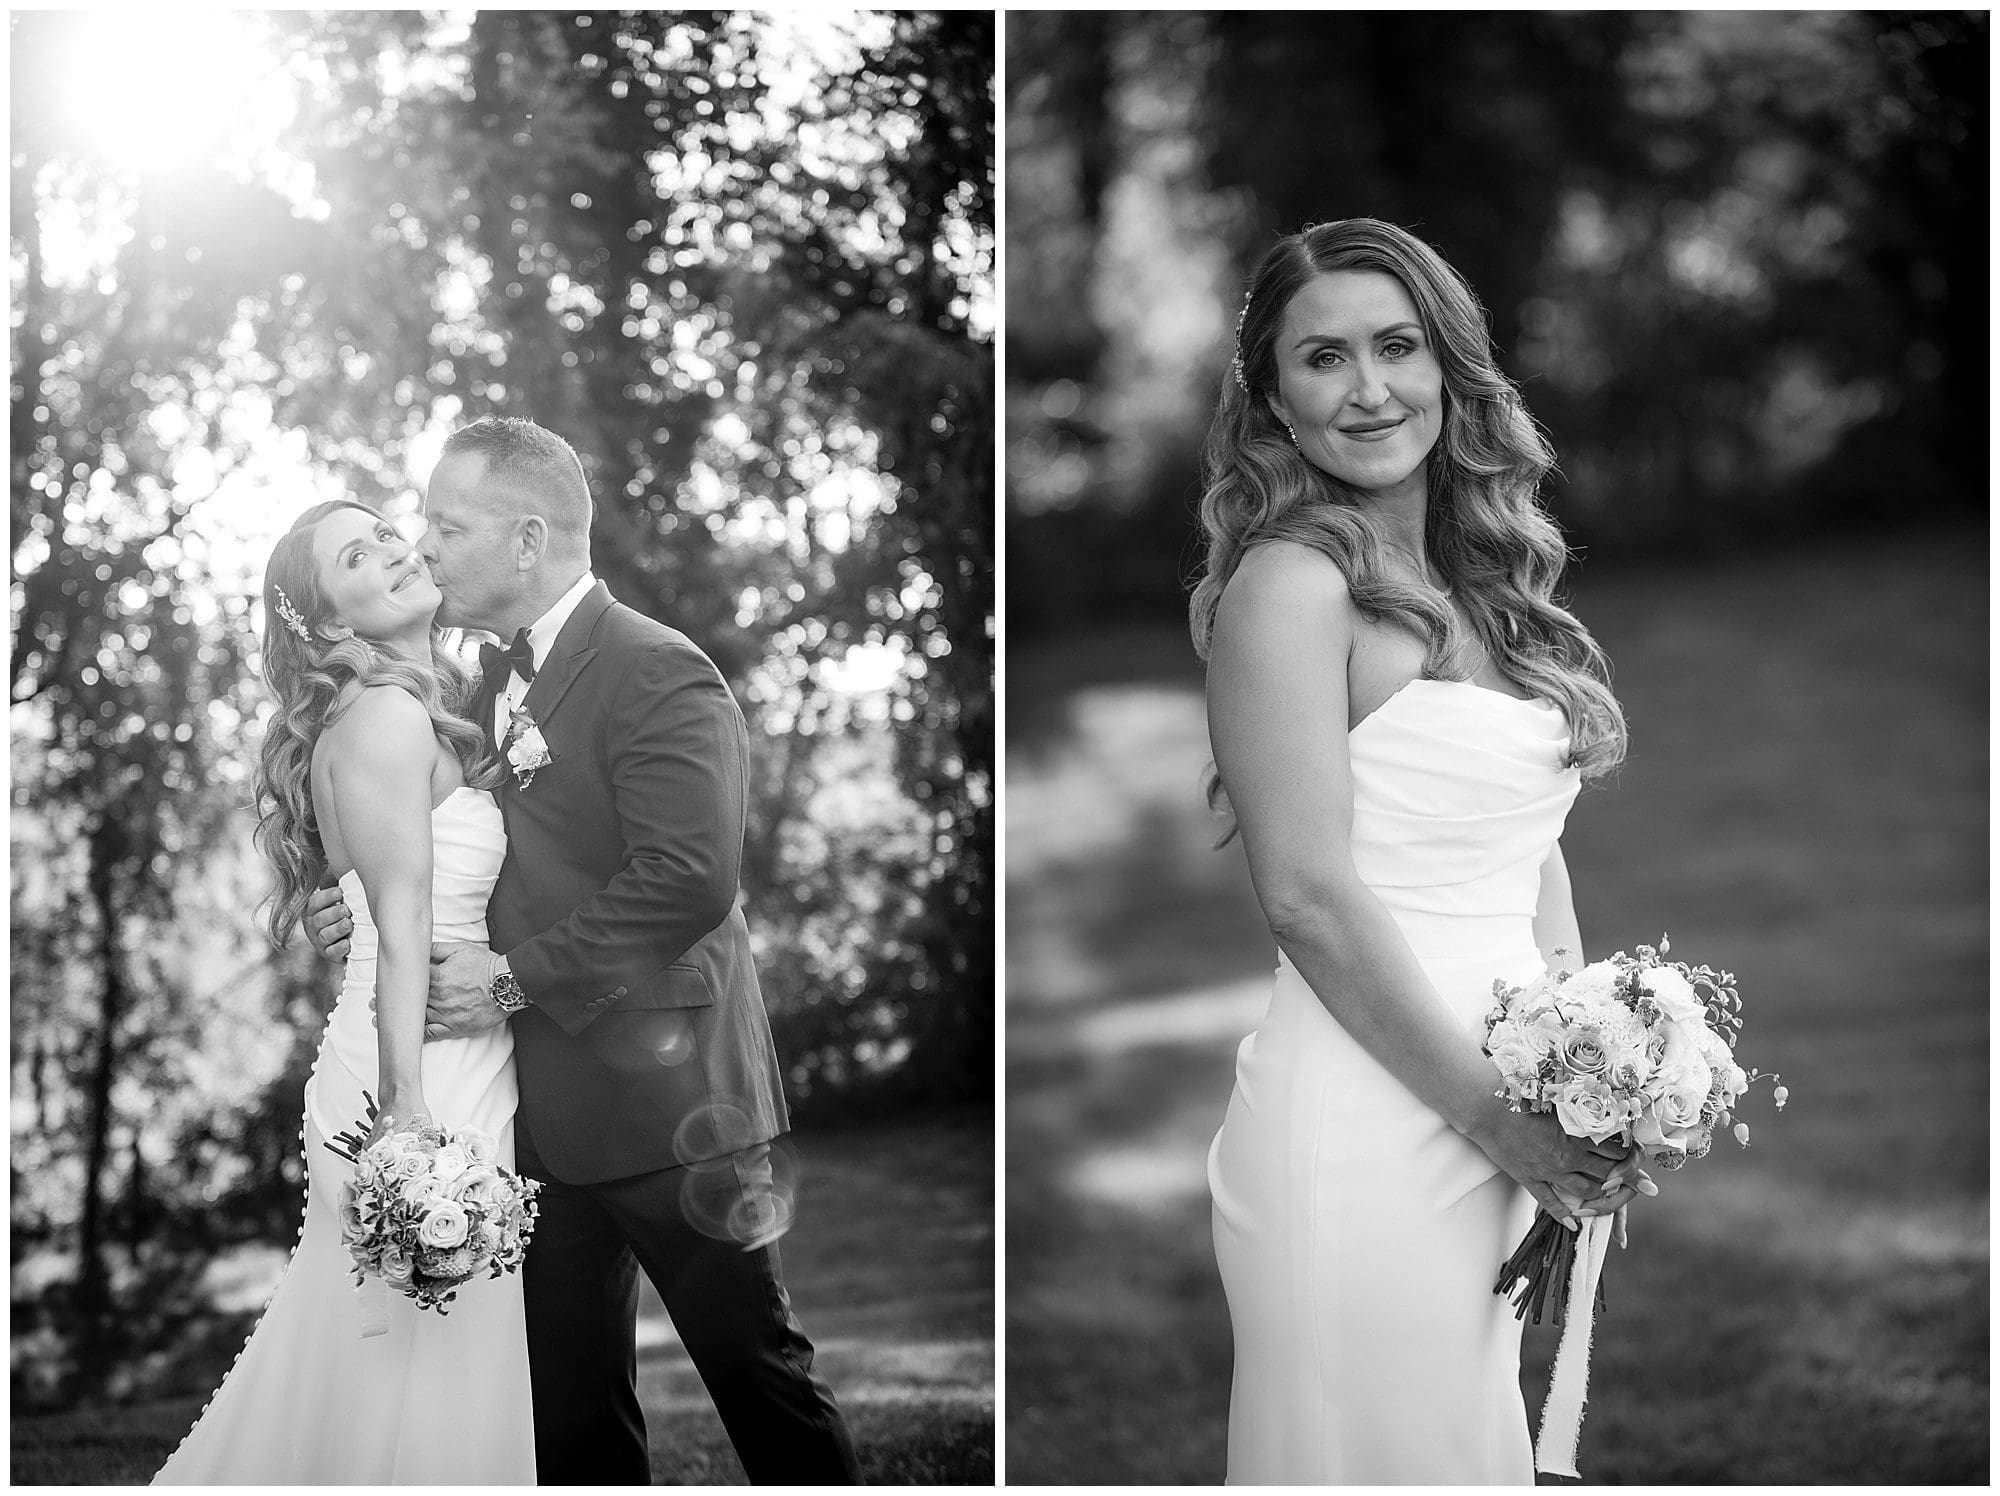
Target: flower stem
1542,1263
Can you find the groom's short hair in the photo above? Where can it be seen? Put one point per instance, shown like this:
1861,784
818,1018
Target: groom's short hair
534,459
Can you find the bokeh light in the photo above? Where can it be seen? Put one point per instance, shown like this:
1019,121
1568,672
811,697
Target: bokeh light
157,89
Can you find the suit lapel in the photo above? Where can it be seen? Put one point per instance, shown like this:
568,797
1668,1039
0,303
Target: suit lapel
567,657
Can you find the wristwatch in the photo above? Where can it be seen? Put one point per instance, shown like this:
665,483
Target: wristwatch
507,993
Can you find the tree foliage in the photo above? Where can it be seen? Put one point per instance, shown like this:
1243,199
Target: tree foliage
1730,256
745,268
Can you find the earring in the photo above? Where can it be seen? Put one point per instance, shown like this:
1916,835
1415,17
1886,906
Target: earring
1291,433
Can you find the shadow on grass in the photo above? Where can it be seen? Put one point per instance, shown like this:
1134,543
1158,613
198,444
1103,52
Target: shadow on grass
1805,803
890,1268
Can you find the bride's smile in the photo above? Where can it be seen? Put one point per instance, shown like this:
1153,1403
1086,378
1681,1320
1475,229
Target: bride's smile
375,581
1358,383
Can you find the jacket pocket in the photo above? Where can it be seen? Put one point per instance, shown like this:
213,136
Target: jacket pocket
676,986
656,1023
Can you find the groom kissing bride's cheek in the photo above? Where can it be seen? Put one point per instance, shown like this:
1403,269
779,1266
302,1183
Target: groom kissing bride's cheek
617,956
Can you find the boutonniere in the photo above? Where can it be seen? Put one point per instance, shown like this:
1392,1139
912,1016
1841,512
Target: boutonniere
527,749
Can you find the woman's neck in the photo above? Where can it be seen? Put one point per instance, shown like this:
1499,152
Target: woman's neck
1399,521
1400,510
412,646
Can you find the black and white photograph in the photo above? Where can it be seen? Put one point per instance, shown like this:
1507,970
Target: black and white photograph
502,748
1496,772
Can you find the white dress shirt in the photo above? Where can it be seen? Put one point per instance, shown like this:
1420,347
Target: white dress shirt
541,639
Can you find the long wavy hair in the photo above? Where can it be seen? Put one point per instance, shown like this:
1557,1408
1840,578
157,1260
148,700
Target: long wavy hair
1485,534
314,680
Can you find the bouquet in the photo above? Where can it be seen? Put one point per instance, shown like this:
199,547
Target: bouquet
1634,1047
427,1211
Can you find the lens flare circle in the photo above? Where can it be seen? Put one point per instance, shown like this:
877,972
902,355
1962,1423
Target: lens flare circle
749,1198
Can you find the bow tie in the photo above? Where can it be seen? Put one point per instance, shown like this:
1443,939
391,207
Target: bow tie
495,662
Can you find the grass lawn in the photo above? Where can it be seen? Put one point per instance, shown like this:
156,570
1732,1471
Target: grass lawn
890,1268
1805,804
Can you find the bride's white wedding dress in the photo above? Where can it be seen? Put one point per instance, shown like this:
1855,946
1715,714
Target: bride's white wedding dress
435,1400
1358,1235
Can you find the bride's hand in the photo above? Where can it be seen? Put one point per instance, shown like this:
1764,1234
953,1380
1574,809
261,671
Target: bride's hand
398,1114
1566,1175
1624,1184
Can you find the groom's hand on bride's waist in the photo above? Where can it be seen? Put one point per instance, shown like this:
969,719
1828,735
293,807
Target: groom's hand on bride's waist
327,922
462,991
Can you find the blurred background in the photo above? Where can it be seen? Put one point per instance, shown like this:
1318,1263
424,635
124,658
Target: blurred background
1739,264
744,264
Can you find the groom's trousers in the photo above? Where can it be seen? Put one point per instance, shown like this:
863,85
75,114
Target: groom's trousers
728,1305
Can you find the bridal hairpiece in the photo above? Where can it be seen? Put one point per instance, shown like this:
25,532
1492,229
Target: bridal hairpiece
294,620
1241,382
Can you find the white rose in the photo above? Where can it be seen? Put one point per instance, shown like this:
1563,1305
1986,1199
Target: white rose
1670,990
1516,1059
474,1182
1546,1032
1683,1058
448,1163
530,750
1690,1090
444,1225
1660,1145
1583,1052
420,1191
1587,1109
479,1146
354,1222
1679,1110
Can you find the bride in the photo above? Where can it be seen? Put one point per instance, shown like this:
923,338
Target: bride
1401,716
368,771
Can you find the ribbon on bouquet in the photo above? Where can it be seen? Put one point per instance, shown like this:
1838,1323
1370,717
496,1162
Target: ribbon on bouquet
373,1297
1562,1414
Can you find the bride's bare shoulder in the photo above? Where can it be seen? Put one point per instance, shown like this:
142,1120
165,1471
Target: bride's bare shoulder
1283,580
386,728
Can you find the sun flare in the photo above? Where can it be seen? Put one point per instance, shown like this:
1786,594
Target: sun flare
155,91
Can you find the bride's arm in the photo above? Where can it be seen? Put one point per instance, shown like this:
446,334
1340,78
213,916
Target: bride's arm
379,766
1556,931
1277,715
1555,916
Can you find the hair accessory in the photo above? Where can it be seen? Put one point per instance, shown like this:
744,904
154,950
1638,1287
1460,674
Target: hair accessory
294,620
1242,383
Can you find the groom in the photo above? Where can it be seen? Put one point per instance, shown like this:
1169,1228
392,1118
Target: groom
650,1090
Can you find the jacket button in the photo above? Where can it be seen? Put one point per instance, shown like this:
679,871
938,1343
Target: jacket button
619,992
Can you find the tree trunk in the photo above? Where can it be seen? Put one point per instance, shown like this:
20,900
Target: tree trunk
107,846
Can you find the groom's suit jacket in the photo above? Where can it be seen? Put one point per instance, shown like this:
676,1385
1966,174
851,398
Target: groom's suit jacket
646,1043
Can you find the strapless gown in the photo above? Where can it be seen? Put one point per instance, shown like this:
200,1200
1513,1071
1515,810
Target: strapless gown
435,1400
1357,1234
